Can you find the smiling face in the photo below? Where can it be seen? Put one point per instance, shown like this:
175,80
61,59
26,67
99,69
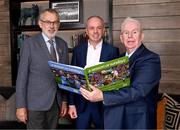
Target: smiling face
131,35
95,30
49,23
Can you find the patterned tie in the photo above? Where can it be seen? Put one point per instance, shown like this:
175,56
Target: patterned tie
52,50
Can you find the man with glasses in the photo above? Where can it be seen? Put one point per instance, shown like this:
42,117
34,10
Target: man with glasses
37,99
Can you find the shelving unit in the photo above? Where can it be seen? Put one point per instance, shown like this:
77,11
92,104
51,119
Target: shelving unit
66,30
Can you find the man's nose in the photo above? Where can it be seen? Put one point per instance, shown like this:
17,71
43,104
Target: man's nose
52,24
95,30
130,35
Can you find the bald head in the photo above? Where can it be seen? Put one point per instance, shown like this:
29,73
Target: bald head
95,17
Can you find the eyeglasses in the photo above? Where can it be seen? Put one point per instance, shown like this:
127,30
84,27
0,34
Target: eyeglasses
56,23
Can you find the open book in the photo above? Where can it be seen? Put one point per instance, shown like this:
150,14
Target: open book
107,76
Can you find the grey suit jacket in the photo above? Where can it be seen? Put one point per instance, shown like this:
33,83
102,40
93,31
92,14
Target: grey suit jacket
35,86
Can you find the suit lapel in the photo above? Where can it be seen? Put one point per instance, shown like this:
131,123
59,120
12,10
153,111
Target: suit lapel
135,55
103,53
84,54
43,46
59,49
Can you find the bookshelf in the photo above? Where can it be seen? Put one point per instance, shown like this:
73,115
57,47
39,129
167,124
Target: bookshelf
69,31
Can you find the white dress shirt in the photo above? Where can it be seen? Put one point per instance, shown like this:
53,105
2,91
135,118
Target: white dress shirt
93,54
46,39
129,55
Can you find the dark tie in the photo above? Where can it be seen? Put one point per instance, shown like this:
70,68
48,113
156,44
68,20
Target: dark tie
52,50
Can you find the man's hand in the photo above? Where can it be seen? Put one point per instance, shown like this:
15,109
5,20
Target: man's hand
63,110
94,96
72,111
21,114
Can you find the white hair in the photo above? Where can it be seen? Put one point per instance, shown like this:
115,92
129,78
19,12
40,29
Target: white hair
129,19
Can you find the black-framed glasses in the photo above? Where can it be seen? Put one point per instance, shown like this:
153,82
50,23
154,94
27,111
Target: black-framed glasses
56,23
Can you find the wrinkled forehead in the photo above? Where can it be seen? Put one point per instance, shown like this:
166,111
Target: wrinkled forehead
131,25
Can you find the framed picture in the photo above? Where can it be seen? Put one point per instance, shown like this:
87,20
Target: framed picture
70,11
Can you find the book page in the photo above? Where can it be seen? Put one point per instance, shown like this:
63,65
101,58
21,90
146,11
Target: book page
110,75
68,77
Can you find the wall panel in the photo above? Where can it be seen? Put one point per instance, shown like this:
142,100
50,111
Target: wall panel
165,35
145,10
166,22
5,59
128,2
161,22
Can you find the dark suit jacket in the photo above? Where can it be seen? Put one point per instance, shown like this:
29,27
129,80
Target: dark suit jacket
36,87
135,107
108,52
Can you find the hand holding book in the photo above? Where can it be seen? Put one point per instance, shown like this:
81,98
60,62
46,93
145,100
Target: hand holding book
94,96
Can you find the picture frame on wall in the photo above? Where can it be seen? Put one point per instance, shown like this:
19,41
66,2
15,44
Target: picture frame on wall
70,11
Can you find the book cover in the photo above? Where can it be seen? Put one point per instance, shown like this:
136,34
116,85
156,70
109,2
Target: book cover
107,76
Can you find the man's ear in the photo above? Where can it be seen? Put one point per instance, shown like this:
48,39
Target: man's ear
120,36
86,32
142,36
104,32
39,23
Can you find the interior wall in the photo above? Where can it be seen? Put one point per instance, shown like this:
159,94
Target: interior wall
161,23
5,52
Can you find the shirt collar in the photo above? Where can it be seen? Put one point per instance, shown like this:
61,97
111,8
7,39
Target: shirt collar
46,38
97,46
129,55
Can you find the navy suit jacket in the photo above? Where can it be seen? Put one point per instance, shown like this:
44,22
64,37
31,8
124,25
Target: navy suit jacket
108,52
134,107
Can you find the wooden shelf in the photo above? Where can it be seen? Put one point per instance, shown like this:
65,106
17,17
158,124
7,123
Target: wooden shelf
66,30
27,28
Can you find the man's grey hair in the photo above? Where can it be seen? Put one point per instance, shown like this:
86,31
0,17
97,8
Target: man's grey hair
53,11
129,19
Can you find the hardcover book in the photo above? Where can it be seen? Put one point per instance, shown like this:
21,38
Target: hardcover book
107,76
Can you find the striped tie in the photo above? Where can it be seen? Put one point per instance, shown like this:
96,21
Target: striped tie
52,50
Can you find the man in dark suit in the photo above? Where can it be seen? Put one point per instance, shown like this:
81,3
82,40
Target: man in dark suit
90,53
133,107
37,99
